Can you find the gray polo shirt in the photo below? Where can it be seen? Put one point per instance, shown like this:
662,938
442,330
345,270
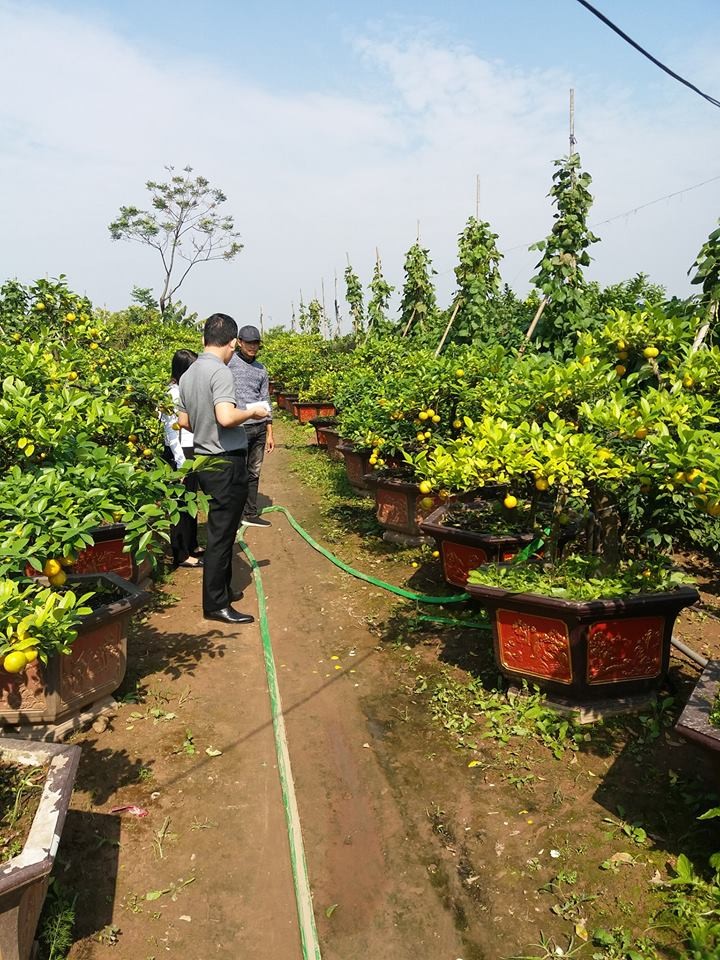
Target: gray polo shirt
204,384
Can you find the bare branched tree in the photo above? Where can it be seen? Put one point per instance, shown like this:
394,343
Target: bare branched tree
185,226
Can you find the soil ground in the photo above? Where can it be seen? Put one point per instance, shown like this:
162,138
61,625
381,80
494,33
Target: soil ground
423,838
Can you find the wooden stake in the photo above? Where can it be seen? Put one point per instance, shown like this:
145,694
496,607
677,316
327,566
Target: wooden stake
535,321
477,197
573,141
407,325
292,315
447,328
262,324
418,232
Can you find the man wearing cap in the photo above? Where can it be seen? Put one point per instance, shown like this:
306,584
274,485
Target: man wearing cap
251,386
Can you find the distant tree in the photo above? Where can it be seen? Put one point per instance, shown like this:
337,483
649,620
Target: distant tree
185,225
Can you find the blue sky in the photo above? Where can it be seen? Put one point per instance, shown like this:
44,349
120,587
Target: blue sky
333,128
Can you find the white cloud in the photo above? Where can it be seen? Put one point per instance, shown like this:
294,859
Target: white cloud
311,176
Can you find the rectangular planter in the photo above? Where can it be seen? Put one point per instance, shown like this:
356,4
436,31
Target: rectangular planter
583,650
401,507
24,878
330,440
54,692
107,555
357,466
694,723
463,550
286,400
304,412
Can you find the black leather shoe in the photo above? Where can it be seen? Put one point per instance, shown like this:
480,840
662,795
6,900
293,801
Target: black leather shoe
228,615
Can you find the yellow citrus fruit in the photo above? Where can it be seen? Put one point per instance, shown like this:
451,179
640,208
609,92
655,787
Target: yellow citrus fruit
372,461
679,477
620,344
427,502
436,553
147,452
714,508
58,579
702,488
40,305
422,415
620,370
430,413
414,565
687,381
436,419
623,355
70,317
541,483
133,437
117,515
585,361
650,352
692,475
457,424
31,654
459,373
420,436
16,337
425,486
15,661
428,434
72,375
51,568
641,433
510,501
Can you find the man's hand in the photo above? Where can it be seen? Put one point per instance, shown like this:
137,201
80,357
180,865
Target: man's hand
183,420
269,440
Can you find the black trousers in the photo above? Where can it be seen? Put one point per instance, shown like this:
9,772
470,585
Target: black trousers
256,437
226,488
183,536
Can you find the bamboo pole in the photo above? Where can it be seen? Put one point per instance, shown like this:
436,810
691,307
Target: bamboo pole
447,328
292,316
573,141
262,322
535,321
337,308
477,197
407,325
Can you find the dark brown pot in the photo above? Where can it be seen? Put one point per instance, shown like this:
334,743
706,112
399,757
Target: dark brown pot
54,692
463,550
583,650
24,878
286,400
331,440
694,723
399,504
357,465
304,412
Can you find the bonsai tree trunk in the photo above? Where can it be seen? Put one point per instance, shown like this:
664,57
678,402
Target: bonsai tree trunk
607,526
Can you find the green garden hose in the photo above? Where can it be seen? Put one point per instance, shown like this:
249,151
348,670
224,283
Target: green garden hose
391,588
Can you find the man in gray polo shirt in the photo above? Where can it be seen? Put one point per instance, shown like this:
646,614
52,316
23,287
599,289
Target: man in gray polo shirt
207,407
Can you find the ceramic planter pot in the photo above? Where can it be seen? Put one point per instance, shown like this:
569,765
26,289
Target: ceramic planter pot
57,691
286,400
463,550
305,412
400,506
320,423
24,878
583,650
107,555
694,723
357,466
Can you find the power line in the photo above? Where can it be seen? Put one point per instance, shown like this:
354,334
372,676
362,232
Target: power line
644,52
642,206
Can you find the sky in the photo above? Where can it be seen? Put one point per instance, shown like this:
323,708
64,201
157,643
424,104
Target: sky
335,129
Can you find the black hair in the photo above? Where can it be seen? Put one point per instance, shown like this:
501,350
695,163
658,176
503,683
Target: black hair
219,330
181,360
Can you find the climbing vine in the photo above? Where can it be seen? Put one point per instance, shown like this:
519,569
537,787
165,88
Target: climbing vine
354,297
560,277
478,279
380,291
418,307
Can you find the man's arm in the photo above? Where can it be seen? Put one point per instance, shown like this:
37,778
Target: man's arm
269,439
183,420
228,415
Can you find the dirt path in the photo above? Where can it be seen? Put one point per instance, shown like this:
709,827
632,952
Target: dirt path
207,872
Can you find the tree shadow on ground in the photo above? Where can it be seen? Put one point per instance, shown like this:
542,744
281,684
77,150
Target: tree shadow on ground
662,784
87,866
103,771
